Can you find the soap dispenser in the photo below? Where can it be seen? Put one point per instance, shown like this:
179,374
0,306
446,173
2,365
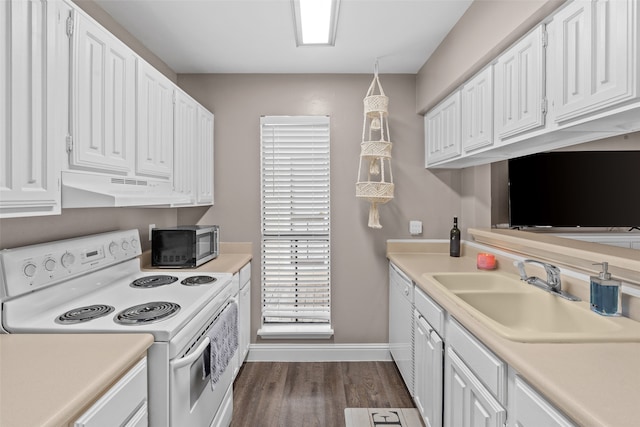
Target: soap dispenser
606,298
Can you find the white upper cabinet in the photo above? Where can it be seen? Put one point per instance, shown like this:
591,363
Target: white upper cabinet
193,155
204,157
34,67
184,156
520,105
103,101
155,123
477,111
595,47
442,130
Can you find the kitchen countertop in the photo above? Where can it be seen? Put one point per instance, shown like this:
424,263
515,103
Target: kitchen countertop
232,257
51,379
595,384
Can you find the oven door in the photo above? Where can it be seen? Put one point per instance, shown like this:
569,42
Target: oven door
192,399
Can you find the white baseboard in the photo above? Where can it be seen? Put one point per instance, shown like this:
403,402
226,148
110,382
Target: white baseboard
318,353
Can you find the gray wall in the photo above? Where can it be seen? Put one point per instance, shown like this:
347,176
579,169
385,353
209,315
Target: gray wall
358,262
486,29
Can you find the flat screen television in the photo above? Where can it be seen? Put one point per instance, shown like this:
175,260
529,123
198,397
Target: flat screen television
575,189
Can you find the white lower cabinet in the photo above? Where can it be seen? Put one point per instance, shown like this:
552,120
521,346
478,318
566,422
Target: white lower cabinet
468,403
527,408
244,313
457,380
124,404
428,360
474,381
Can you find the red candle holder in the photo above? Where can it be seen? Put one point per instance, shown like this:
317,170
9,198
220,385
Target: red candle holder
486,261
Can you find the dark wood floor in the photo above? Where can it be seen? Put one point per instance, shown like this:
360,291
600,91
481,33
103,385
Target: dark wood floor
313,394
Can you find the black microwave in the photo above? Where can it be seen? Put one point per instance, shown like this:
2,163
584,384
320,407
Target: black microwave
186,246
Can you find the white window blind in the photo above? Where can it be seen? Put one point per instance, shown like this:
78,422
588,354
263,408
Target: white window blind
296,288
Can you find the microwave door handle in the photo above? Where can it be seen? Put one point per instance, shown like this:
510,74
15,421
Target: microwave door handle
187,360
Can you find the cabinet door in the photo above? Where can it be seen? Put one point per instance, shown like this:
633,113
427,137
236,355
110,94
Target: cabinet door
34,60
477,111
519,86
154,144
467,403
594,56
530,409
184,156
428,360
204,153
442,130
244,324
103,101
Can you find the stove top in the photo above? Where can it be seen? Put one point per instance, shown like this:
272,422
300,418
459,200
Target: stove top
101,291
84,314
149,312
153,281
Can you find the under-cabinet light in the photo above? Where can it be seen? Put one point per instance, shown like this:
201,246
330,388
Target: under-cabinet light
315,21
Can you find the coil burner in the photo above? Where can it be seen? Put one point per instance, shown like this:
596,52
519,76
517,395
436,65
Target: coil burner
83,314
198,280
147,313
153,281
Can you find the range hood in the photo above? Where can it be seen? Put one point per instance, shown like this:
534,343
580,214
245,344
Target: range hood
91,190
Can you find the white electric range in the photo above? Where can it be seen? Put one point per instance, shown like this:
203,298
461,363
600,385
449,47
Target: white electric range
93,284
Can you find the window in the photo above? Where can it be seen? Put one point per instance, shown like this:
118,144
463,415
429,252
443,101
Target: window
296,289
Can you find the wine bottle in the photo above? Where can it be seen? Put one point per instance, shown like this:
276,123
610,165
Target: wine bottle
454,239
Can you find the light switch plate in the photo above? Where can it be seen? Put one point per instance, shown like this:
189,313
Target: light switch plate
415,228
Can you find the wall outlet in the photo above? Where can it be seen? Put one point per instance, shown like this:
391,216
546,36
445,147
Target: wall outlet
151,227
415,228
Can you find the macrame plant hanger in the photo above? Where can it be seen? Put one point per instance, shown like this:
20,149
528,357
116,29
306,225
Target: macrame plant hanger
375,180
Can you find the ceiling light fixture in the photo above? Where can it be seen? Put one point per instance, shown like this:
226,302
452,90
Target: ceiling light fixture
316,22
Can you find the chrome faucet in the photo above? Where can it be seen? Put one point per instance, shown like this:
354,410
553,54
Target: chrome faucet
553,284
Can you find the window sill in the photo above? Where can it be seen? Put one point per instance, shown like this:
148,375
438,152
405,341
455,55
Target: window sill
319,332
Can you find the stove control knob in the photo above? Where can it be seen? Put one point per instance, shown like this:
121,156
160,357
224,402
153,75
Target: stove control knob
113,248
49,264
67,259
134,243
125,245
30,269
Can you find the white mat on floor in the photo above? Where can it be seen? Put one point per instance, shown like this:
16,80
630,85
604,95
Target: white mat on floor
382,417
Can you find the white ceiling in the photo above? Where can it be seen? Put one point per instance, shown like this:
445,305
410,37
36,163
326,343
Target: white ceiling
257,36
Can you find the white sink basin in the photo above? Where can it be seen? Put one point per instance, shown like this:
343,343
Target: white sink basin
522,312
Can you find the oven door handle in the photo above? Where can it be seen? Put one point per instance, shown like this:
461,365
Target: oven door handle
187,360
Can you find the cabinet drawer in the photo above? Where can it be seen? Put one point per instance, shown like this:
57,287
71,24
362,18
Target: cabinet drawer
122,402
429,310
485,365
